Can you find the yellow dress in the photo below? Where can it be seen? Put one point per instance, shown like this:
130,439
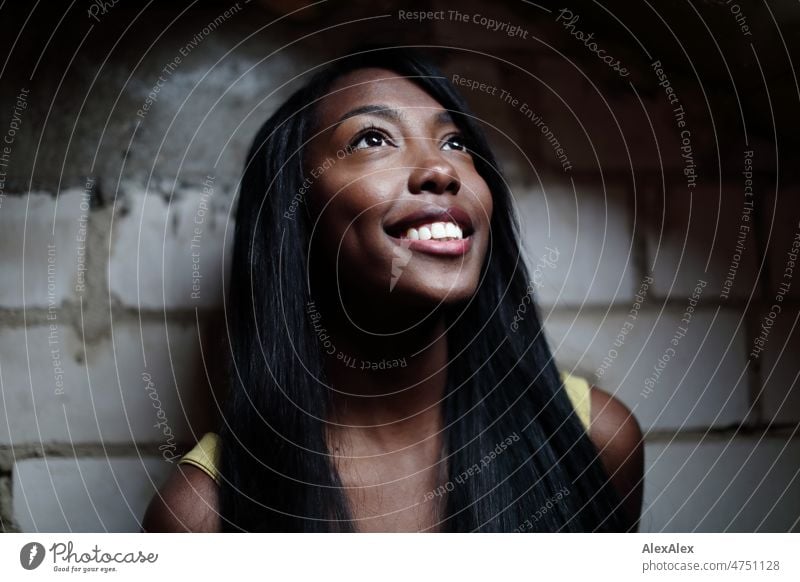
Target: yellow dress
206,454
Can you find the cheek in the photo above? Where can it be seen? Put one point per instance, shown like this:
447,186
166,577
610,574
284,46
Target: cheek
481,200
344,210
350,210
485,200
483,204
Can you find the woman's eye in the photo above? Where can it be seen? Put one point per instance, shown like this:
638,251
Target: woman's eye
456,142
371,139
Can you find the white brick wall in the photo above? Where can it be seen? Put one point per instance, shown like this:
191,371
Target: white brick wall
781,226
694,236
35,229
748,485
104,397
591,231
85,495
780,399
702,385
170,255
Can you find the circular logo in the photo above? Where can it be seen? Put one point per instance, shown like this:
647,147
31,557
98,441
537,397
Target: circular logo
31,555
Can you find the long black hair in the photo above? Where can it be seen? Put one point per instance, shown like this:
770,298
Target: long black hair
503,389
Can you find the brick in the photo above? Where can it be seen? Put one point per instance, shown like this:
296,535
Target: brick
163,258
780,399
695,235
85,494
47,228
592,234
205,114
745,485
699,386
106,399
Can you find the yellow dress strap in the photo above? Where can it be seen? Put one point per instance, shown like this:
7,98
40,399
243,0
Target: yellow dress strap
205,455
578,390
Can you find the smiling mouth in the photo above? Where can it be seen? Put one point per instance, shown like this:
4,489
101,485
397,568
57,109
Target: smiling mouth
439,231
435,238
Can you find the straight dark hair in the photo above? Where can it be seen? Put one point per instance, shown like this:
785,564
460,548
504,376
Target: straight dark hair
277,473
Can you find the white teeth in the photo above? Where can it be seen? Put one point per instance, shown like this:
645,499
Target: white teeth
436,230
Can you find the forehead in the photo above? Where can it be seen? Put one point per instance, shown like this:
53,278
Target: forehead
375,87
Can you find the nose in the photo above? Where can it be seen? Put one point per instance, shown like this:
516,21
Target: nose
434,174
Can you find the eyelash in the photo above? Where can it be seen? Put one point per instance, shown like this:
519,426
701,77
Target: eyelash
464,147
371,129
364,132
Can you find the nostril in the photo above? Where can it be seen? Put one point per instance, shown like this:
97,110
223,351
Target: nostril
435,178
451,186
429,186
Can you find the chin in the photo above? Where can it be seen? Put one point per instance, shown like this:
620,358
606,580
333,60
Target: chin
444,291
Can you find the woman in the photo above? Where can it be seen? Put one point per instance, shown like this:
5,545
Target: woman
377,381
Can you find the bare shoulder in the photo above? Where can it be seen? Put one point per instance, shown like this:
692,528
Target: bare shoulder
617,435
188,502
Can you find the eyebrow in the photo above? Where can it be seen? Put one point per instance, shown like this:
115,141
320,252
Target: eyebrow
442,118
379,110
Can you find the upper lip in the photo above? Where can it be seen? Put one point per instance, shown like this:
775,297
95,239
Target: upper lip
431,214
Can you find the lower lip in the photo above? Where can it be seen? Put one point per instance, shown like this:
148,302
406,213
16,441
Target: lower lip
447,248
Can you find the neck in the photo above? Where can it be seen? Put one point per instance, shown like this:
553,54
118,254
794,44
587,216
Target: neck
387,388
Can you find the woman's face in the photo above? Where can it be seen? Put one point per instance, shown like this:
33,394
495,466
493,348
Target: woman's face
400,210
